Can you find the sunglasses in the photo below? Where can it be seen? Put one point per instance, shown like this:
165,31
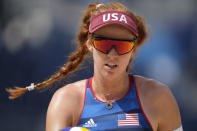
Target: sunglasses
104,44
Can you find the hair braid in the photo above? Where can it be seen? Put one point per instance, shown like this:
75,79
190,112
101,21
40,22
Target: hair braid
75,59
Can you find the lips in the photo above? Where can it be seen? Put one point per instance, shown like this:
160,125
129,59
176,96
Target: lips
111,66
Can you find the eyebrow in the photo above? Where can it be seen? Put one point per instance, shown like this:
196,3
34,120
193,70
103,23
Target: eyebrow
97,37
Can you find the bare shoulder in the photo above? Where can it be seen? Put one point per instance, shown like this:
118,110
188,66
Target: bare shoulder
65,106
72,90
161,102
152,87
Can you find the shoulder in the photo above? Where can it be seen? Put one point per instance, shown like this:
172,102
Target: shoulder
156,91
72,90
70,95
66,105
162,102
152,87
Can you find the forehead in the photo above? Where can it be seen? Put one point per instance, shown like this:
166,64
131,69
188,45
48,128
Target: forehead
115,31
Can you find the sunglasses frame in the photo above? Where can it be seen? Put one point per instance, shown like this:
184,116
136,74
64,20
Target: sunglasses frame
113,46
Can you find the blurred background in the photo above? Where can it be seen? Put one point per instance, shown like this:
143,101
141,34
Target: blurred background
36,38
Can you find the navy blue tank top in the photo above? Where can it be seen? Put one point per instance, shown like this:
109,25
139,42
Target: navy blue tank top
125,114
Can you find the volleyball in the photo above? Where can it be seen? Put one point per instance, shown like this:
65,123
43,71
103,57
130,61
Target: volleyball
75,129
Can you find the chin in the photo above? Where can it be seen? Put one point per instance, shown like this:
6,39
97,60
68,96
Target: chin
111,74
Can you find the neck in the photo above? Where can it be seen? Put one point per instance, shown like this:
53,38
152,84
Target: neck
110,89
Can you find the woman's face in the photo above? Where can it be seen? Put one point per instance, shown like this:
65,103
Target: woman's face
111,64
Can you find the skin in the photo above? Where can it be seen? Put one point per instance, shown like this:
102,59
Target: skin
157,101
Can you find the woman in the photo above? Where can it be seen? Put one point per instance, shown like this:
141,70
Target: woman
112,99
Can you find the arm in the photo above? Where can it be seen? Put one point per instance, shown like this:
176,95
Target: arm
169,115
159,104
60,110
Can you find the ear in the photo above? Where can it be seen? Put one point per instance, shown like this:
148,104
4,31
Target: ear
89,45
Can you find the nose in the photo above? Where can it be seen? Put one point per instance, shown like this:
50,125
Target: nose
113,52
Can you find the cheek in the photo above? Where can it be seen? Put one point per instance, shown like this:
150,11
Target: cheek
126,58
97,56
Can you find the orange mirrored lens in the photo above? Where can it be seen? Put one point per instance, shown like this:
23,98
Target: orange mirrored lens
122,47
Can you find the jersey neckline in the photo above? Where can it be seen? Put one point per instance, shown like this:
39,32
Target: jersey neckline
130,85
